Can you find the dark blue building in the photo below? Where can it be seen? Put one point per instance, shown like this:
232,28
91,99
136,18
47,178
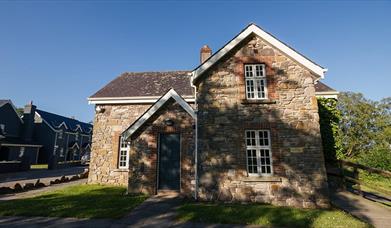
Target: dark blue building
64,139
16,135
41,137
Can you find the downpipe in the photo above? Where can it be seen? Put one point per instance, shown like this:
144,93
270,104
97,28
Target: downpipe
195,141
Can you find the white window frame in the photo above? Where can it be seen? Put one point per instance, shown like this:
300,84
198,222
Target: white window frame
124,147
257,147
60,134
252,76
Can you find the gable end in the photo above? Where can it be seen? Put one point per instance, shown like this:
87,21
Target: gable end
254,29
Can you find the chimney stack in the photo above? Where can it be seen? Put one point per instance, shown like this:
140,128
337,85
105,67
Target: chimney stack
28,121
205,53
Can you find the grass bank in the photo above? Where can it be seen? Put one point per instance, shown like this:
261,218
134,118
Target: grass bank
267,215
80,201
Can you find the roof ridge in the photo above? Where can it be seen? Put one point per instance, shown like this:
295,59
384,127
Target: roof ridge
154,72
68,118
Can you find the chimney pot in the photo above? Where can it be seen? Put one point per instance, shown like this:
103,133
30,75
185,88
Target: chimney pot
205,53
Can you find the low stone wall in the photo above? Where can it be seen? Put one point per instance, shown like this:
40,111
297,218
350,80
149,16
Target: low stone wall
62,165
38,184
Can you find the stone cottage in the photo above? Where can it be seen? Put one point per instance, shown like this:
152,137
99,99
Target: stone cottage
242,126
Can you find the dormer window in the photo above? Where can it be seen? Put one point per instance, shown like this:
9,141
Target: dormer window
255,77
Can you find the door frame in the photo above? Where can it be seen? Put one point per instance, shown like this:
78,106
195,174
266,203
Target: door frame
158,159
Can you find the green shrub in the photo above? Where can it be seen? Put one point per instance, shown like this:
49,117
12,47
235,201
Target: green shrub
378,158
329,117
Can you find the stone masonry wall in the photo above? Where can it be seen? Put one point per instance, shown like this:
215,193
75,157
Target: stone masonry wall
144,150
291,115
108,126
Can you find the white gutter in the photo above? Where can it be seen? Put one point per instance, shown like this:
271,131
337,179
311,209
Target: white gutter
195,141
329,94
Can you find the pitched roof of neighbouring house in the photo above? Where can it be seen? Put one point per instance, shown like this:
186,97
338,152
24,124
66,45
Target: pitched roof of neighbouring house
7,101
146,84
56,121
3,102
254,29
171,94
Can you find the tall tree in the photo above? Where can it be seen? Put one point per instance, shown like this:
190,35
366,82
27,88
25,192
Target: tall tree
365,124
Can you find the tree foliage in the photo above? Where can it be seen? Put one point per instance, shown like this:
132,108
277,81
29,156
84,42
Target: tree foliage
365,124
20,111
365,129
356,128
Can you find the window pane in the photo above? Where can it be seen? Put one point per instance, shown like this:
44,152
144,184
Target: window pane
263,138
123,154
250,88
265,161
249,70
258,152
259,71
250,138
252,161
260,87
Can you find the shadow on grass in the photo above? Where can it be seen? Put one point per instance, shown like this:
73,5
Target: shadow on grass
83,201
266,215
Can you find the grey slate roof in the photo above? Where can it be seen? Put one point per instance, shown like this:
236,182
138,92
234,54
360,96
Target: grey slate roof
140,84
55,121
144,84
321,87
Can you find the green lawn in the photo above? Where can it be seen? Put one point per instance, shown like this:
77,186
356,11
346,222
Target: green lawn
81,201
267,215
381,183
373,183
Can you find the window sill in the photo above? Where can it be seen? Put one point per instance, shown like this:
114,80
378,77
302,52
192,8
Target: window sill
121,170
262,179
266,101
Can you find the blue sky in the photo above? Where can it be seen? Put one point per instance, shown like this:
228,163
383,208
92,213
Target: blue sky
57,53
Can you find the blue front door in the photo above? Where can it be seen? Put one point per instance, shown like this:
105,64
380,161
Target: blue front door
169,162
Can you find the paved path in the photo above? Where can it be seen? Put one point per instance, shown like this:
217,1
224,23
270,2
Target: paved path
160,211
374,213
38,222
31,176
155,211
